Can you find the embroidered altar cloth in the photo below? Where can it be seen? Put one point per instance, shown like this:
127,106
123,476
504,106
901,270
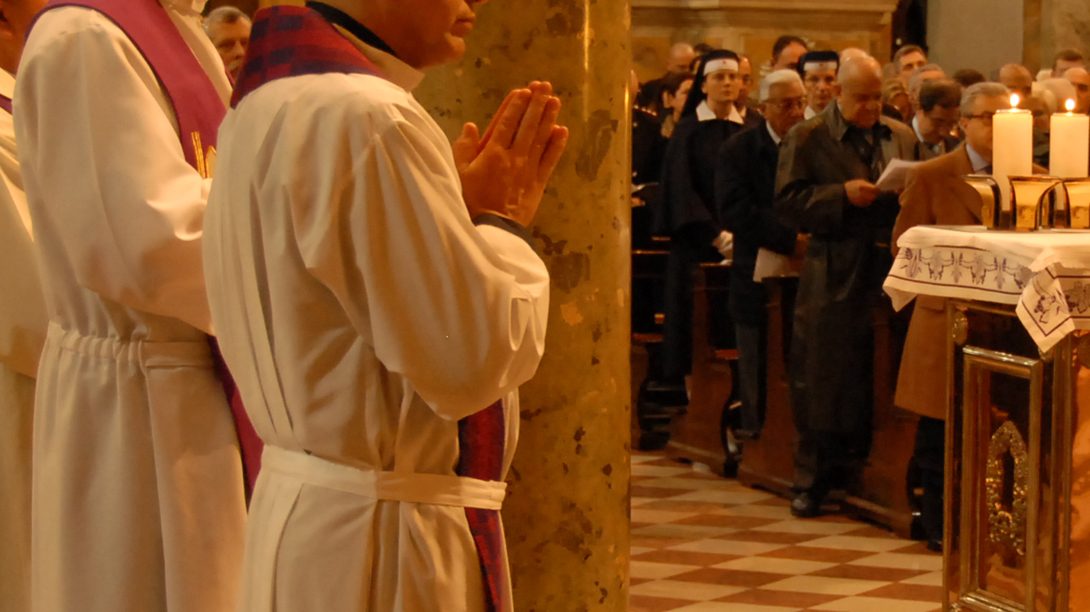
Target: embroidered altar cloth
1045,275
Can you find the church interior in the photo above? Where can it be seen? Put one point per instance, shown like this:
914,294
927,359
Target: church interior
639,485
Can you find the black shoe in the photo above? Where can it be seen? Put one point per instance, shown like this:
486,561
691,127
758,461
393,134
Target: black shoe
934,545
806,506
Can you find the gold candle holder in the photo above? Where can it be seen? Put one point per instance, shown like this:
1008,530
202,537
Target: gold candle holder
1078,202
1032,198
995,213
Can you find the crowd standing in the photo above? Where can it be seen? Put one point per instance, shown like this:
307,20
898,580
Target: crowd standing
800,182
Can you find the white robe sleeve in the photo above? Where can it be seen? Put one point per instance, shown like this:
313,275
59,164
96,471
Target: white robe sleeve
95,126
459,311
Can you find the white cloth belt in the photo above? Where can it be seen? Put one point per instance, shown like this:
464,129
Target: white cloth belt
410,487
192,353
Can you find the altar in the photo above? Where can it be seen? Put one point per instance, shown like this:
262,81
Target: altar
1017,501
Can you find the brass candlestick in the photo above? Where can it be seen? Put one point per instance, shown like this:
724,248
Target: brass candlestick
1078,202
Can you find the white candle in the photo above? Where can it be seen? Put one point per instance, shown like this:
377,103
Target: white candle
1012,146
1069,155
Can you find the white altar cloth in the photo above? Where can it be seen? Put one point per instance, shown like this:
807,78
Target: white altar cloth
1045,274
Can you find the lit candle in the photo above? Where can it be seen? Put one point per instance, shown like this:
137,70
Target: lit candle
1012,146
1069,155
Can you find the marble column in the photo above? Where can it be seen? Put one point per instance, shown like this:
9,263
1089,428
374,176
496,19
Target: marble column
567,515
1065,24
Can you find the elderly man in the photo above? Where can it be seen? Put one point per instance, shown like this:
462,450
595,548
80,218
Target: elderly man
745,185
1017,79
381,301
23,323
681,57
139,500
786,52
936,118
852,52
818,72
825,188
935,194
907,60
1080,78
1066,60
229,29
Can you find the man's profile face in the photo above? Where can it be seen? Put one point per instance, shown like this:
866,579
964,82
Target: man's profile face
910,62
789,58
431,32
978,127
785,106
861,100
820,88
1062,66
745,80
231,41
20,14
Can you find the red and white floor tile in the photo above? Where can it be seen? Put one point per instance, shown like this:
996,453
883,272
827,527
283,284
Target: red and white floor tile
701,543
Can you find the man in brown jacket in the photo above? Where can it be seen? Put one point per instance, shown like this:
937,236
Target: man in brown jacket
935,194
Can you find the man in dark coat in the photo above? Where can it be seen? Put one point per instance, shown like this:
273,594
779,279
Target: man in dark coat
745,186
825,188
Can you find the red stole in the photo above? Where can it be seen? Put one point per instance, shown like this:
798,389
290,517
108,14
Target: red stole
199,111
291,41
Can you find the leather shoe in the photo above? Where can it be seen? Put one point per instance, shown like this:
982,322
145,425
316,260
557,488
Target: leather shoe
934,545
806,506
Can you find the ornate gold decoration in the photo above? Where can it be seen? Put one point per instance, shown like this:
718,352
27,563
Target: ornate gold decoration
1007,528
961,329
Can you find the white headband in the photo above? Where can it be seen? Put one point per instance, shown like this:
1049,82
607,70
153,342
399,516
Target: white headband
808,66
720,64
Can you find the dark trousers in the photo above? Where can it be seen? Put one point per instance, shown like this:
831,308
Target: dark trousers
677,327
930,454
752,349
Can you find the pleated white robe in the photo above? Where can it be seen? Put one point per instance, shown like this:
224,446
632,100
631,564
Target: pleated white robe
137,483
362,315
23,323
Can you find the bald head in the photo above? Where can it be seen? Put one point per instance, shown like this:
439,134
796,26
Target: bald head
681,57
1080,78
859,85
1018,79
852,53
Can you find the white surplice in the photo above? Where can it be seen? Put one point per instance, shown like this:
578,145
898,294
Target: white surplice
137,485
23,323
363,315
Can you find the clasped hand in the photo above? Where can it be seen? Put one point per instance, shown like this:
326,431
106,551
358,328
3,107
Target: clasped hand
505,171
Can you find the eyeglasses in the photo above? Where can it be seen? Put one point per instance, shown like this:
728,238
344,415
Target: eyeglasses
985,118
788,104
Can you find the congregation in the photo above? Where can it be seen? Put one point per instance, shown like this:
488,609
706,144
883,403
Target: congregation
783,176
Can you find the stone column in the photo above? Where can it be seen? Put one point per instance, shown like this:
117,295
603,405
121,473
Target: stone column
566,515
1065,24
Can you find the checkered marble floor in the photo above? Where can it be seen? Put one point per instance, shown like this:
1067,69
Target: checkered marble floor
701,543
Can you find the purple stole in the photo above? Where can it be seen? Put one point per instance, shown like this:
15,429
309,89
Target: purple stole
5,103
199,111
291,41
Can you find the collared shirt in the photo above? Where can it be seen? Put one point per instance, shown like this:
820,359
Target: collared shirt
839,126
937,148
809,113
705,113
771,132
980,165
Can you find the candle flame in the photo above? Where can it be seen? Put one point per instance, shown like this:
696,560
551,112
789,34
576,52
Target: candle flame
1015,100
1070,106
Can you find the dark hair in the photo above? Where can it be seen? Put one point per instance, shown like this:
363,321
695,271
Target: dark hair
942,92
669,84
1068,55
696,94
905,50
784,42
967,77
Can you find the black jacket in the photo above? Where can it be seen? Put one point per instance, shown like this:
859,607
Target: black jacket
745,189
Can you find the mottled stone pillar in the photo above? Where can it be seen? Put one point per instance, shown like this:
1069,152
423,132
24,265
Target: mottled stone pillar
1065,24
567,512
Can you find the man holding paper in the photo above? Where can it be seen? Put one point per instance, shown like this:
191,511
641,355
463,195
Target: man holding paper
825,187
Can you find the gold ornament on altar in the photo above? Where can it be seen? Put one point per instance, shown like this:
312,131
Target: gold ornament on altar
1007,527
